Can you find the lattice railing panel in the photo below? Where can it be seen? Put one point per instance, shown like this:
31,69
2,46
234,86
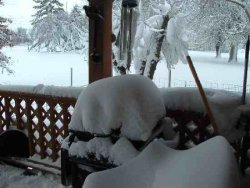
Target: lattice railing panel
193,127
46,119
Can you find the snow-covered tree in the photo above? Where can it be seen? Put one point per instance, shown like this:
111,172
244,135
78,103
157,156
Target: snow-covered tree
5,40
48,25
159,25
245,7
217,23
159,34
76,30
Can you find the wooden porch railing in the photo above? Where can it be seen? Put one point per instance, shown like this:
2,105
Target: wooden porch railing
44,118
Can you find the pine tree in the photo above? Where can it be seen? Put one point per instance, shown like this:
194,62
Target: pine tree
76,31
47,25
5,40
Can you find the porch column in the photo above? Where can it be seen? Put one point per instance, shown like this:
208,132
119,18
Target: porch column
100,45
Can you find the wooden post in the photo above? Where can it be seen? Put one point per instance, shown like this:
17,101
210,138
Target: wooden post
203,95
100,45
245,72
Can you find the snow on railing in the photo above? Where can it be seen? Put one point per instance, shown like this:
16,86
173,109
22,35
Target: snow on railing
163,82
44,112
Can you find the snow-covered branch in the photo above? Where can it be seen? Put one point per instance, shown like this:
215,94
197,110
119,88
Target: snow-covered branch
242,5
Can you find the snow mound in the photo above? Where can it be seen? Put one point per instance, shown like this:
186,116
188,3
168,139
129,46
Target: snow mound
223,104
130,102
210,164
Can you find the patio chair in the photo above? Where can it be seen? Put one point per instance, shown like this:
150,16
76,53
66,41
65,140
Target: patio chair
210,164
114,120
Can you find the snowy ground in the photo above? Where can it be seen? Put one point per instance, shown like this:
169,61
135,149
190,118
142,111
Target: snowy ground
11,177
32,68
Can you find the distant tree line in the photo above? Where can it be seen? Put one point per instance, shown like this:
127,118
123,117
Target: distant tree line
21,36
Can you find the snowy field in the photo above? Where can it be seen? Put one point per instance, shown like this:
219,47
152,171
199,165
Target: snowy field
32,68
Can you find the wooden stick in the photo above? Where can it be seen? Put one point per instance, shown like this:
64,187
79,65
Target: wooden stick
203,95
245,72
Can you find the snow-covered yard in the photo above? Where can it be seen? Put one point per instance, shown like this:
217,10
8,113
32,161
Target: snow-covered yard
32,68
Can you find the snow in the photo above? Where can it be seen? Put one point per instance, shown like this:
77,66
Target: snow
131,102
72,92
11,177
34,68
159,166
54,69
225,107
119,153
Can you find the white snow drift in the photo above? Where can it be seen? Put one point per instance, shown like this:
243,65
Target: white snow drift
210,164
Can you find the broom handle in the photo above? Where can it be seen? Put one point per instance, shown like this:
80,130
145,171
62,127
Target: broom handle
203,95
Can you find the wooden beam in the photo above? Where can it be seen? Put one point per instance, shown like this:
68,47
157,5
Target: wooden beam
100,45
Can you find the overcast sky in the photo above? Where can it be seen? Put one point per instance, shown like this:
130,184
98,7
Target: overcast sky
21,11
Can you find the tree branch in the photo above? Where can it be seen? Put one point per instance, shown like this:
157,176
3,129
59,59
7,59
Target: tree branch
242,5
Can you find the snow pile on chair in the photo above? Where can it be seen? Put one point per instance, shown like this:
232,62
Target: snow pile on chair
117,154
210,164
131,103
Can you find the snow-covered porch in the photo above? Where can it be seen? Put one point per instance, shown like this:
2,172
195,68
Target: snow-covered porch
45,118
44,112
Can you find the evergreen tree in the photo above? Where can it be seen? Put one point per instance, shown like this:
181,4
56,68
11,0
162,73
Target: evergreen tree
47,25
76,31
5,40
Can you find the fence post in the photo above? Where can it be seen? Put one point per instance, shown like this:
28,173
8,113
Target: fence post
71,76
169,78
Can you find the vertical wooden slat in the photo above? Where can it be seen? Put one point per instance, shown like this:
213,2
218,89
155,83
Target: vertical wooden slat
29,126
66,118
18,115
1,110
7,112
52,132
41,140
